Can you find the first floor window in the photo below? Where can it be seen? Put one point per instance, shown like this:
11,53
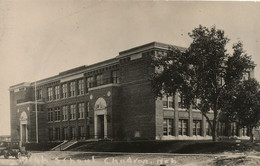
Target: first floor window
183,127
196,125
167,126
221,128
245,132
50,133
57,132
208,129
81,131
65,133
234,129
73,132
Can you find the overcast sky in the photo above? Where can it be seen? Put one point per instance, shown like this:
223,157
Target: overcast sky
40,39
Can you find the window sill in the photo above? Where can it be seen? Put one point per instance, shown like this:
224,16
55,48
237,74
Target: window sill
167,108
81,118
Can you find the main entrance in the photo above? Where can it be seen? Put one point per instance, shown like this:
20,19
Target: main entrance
100,119
23,128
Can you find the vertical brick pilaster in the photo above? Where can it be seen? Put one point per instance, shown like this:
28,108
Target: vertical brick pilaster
190,122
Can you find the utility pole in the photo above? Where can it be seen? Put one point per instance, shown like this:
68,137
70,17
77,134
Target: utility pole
36,114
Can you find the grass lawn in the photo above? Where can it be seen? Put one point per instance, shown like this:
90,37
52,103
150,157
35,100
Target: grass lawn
183,147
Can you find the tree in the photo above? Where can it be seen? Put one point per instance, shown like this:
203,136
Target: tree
205,71
243,105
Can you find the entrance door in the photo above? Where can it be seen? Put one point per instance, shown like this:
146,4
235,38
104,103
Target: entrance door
100,128
23,133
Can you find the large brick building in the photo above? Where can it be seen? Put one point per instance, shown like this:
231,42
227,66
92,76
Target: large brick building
111,99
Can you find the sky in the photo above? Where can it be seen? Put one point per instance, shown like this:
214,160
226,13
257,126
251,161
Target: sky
40,38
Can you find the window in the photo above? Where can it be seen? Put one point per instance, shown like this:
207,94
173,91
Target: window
57,114
50,95
196,125
99,79
65,113
72,89
39,94
221,128
65,133
168,102
183,127
73,132
234,131
245,132
64,90
57,133
81,131
87,108
73,112
90,81
57,92
180,101
115,77
50,133
50,115
81,110
208,129
81,87
167,126
246,76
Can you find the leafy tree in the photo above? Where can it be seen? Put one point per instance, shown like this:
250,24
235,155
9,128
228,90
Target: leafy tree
243,105
205,71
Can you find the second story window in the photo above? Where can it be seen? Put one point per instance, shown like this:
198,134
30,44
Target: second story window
81,110
57,114
39,94
64,90
90,81
115,77
57,92
65,113
99,79
72,112
168,101
50,95
72,89
180,101
81,87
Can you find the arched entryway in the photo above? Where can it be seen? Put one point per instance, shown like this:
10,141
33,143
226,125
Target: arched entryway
23,127
100,118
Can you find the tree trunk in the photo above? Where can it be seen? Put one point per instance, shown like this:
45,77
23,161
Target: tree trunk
214,130
215,126
251,134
